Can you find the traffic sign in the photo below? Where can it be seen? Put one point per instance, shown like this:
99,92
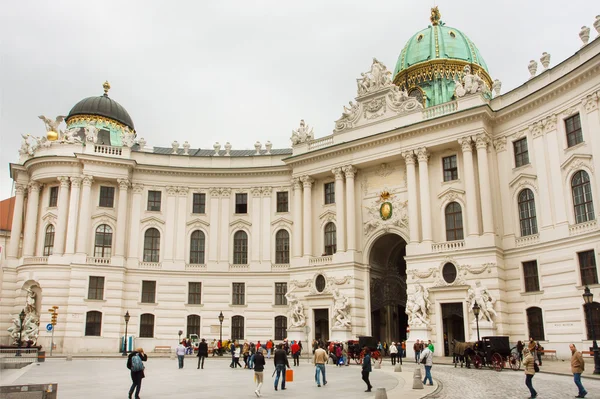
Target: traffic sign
49,327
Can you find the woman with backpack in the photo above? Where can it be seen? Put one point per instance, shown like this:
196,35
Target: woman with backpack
530,370
134,363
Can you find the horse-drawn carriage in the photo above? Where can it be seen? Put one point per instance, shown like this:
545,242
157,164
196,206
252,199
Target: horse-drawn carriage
356,350
493,352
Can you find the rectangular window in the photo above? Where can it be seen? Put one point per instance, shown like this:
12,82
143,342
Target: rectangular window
107,197
239,294
93,324
199,203
521,152
154,198
194,293
587,267
573,128
96,288
450,168
280,291
148,291
530,274
53,196
329,193
241,203
282,201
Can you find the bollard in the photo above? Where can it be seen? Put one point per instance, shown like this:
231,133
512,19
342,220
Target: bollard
398,368
377,365
417,382
380,393
69,358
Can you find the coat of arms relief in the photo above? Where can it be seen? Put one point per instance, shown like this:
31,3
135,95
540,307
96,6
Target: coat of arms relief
386,211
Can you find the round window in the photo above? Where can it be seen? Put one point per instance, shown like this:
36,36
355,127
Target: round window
320,283
449,273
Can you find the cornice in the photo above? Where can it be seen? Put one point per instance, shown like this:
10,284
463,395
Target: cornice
100,160
214,172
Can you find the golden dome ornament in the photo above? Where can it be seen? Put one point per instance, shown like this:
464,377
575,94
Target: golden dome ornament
52,136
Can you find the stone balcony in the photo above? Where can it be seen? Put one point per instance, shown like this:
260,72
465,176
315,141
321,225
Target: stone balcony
195,266
527,240
321,260
448,246
35,260
280,266
150,265
92,260
581,228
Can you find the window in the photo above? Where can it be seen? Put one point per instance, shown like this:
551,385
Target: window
151,245
147,325
241,203
450,168
239,294
53,196
592,311
93,324
237,328
282,247
535,322
573,128
582,197
193,325
280,328
521,152
107,197
194,293
199,203
96,288
154,200
330,238
530,275
49,240
449,273
280,291
329,193
240,248
103,241
454,225
148,291
197,248
527,218
587,268
282,201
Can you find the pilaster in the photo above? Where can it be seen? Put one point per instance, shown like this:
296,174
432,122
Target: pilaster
297,226
134,249
481,142
33,202
224,225
122,212
17,222
423,157
180,233
256,219
469,174
170,223
73,215
413,202
63,213
350,172
339,210
267,199
307,183
213,249
85,214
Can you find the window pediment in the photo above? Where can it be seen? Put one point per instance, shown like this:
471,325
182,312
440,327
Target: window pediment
329,215
104,216
49,217
240,223
524,179
281,222
576,161
152,220
197,222
451,193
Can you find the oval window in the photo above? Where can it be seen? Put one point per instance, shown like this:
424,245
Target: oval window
419,38
449,273
320,283
452,35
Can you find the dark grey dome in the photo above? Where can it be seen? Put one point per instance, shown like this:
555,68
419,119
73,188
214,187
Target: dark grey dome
102,106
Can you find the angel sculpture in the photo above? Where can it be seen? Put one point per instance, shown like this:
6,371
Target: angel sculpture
52,125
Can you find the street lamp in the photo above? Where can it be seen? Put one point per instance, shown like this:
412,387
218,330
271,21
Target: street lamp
221,318
21,319
588,299
127,317
476,310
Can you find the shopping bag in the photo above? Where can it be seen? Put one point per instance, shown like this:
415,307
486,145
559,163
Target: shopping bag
289,375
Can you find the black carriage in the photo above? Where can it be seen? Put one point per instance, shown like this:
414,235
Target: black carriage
493,352
356,350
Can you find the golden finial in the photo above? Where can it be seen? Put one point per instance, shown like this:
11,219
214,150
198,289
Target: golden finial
385,195
435,16
106,86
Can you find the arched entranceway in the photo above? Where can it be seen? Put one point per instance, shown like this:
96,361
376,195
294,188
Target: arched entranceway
388,288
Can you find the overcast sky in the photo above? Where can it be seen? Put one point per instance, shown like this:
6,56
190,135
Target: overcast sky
241,71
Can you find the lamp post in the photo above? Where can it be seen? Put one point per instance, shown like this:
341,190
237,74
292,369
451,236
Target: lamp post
21,319
221,318
588,299
476,310
127,317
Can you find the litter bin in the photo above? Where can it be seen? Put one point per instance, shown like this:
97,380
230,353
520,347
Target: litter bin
41,356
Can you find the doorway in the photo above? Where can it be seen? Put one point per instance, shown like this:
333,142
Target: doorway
454,325
321,324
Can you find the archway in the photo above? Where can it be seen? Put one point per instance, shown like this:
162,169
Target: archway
388,288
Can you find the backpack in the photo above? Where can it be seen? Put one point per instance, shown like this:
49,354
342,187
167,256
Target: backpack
136,363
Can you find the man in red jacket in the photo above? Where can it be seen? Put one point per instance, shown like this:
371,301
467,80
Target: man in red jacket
296,353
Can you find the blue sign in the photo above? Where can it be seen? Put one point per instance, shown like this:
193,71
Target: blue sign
49,327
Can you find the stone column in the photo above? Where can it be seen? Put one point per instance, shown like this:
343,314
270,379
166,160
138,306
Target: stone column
224,225
180,236
350,172
170,223
469,173
267,193
73,215
554,155
340,216
63,213
539,148
122,212
133,251
33,202
255,237
481,141
504,170
17,221
307,183
297,226
213,233
423,157
85,214
413,201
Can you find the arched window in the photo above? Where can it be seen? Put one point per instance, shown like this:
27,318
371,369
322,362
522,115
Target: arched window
282,247
330,239
103,241
197,248
454,224
535,322
582,197
240,248
193,325
280,328
592,311
147,325
527,218
49,240
151,245
237,327
93,324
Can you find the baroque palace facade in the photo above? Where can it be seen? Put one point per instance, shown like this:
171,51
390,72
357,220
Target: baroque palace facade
433,194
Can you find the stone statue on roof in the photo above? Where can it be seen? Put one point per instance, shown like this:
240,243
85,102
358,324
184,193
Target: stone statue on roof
302,134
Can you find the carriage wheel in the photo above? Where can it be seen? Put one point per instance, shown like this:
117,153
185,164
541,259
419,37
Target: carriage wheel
477,361
515,362
497,362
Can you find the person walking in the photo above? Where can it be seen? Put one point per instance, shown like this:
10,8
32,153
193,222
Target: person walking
393,353
213,346
417,349
232,350
259,367
281,361
269,348
427,360
246,353
520,347
403,354
252,355
577,367
319,359
296,353
366,369
202,352
236,356
180,352
539,350
134,363
529,363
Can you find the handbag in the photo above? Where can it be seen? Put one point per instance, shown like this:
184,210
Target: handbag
536,368
289,375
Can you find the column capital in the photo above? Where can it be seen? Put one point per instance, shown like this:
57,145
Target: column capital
171,191
76,182
349,171
20,189
64,181
549,123
225,192
500,144
266,191
481,141
87,180
590,102
214,192
466,144
307,181
33,186
255,192
422,154
296,183
338,172
123,184
409,157
138,188
182,191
